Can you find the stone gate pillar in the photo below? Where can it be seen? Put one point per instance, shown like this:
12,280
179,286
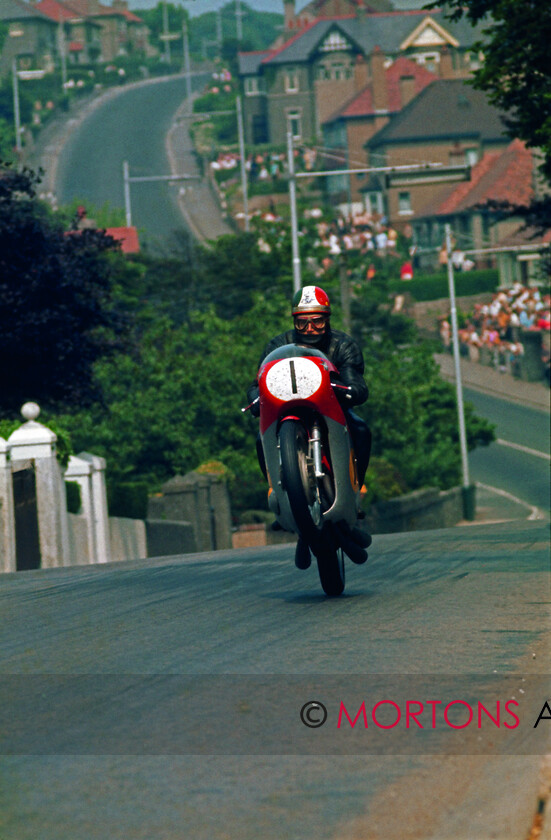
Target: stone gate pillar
35,442
88,471
7,514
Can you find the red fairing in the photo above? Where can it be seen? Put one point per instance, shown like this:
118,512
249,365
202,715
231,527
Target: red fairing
323,399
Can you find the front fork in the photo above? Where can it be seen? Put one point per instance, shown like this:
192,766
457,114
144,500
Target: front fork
315,445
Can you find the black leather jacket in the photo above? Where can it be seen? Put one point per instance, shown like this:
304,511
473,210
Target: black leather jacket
340,348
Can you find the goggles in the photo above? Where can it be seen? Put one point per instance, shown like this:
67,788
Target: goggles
318,322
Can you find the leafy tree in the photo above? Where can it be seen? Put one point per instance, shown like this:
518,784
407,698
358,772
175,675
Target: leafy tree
516,70
56,315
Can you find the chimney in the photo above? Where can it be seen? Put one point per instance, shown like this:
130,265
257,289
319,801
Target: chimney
407,90
361,74
290,18
446,64
378,80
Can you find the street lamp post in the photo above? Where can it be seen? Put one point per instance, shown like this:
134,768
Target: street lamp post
16,111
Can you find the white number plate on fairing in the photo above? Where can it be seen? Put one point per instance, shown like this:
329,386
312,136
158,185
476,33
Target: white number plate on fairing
293,379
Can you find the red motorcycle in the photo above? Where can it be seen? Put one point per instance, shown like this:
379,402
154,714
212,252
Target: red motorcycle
310,461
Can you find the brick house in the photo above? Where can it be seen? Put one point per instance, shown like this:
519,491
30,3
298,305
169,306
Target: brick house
304,80
122,32
505,175
82,35
448,122
346,131
92,32
31,38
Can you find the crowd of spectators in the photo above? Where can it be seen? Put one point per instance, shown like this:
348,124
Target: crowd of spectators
493,334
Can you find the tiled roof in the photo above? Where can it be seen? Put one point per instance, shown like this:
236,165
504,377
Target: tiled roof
362,104
447,109
19,10
388,30
57,11
128,238
498,176
249,62
83,7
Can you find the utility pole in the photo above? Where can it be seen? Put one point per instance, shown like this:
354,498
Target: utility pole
165,32
16,112
293,206
219,29
62,53
458,384
243,162
187,70
238,23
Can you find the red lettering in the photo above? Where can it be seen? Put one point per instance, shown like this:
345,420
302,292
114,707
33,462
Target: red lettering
458,725
513,715
352,723
482,708
412,714
434,703
382,725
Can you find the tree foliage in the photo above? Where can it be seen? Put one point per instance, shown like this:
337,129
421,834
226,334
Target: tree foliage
56,317
516,72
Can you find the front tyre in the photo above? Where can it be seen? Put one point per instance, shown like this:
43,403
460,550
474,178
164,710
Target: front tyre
299,480
330,559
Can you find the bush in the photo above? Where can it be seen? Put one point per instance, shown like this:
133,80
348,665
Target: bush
128,499
74,501
383,481
435,286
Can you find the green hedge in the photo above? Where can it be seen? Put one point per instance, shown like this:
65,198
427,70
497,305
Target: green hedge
127,499
435,286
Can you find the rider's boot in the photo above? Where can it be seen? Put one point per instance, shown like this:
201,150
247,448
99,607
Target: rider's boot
303,558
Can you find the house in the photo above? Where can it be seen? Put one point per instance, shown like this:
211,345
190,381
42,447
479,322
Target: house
30,38
501,176
91,32
345,133
303,81
81,34
122,32
447,123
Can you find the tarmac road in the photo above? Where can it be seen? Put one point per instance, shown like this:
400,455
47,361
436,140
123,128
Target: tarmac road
114,675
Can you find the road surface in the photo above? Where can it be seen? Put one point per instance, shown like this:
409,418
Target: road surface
129,692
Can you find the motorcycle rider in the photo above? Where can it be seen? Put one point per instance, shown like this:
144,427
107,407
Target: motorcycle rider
311,310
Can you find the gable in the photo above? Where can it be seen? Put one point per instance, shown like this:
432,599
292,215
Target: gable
335,41
429,33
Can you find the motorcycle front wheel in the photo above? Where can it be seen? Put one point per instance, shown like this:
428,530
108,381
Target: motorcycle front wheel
300,484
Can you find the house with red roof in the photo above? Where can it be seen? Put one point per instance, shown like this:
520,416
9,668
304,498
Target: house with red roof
324,61
82,34
471,208
449,124
345,133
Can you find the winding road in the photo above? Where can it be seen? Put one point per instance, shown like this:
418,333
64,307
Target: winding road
144,125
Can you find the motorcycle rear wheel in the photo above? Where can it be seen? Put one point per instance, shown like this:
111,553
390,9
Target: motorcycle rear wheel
300,484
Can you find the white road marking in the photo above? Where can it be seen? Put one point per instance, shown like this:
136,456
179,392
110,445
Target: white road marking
525,449
535,512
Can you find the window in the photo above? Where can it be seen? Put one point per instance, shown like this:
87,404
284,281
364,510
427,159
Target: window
253,86
404,204
374,203
291,80
428,60
294,124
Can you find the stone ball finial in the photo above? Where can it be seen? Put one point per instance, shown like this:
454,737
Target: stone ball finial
30,410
